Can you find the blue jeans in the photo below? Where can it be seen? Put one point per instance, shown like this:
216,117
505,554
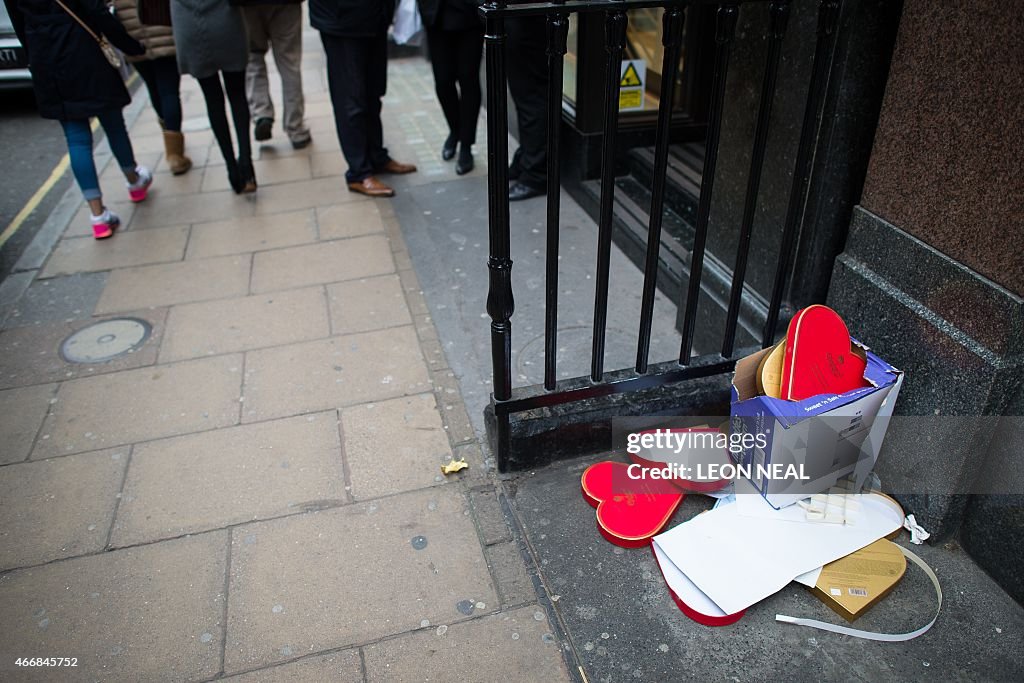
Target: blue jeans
79,137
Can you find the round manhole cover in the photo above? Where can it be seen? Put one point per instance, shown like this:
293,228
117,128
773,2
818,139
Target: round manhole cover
105,340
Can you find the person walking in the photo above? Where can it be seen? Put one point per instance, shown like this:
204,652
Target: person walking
74,81
355,38
211,45
158,68
455,38
275,24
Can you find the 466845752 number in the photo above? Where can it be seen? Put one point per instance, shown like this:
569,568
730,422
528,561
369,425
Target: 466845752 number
46,661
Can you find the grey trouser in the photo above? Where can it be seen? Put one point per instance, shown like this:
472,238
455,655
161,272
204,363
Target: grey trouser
278,27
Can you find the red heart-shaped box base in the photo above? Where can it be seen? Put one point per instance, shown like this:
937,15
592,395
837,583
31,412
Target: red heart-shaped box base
719,619
629,511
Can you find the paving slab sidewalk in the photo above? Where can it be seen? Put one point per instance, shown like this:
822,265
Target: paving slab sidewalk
253,493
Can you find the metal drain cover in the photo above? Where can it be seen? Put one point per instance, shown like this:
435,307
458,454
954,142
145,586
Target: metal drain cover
105,340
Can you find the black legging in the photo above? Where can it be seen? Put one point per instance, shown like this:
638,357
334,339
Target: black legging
234,85
455,57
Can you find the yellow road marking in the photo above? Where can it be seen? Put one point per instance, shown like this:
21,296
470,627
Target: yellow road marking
45,188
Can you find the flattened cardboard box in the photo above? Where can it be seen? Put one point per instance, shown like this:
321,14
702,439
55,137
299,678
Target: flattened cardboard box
827,437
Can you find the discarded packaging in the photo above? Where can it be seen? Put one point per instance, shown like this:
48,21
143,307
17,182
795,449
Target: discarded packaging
870,635
818,357
853,584
825,437
629,511
454,466
917,533
717,550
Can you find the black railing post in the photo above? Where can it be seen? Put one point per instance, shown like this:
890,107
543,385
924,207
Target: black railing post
778,12
558,32
828,14
500,304
672,40
615,38
725,29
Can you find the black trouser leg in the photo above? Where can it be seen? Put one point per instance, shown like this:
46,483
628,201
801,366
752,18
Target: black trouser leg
377,82
455,58
528,81
471,50
357,78
444,61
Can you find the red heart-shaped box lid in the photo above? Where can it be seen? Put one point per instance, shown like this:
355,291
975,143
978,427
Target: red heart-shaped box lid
819,358
629,511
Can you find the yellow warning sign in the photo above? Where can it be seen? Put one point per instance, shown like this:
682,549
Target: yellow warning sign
631,99
630,78
632,82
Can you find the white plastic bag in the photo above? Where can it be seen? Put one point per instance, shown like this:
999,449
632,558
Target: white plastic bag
408,26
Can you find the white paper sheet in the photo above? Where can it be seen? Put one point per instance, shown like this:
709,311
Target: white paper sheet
738,560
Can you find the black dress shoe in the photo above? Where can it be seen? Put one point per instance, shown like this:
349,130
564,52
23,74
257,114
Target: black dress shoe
465,163
518,192
263,129
448,149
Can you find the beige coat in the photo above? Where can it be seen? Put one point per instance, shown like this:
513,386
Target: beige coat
159,40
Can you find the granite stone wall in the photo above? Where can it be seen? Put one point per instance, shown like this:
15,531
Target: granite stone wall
947,160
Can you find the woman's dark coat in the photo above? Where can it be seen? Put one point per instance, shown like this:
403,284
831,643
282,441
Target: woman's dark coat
71,77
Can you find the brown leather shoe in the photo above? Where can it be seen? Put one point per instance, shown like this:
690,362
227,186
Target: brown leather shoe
397,168
371,187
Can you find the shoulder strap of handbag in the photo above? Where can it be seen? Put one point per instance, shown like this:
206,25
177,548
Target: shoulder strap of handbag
74,16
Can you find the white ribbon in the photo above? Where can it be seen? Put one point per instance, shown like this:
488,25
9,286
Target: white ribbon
870,635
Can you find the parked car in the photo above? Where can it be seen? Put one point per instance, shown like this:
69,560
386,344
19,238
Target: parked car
14,72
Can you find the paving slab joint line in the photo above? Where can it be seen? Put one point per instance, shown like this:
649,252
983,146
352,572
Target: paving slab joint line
39,432
224,612
346,470
118,499
362,665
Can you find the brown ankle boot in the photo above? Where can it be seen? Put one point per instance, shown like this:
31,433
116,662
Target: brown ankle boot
174,150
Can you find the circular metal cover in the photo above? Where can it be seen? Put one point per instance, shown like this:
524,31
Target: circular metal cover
105,340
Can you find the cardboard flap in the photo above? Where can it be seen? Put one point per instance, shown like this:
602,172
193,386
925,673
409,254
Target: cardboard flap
744,382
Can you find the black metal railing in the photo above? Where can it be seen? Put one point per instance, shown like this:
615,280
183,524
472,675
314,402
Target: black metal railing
500,303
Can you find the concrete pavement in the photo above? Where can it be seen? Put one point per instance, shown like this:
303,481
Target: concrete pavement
253,492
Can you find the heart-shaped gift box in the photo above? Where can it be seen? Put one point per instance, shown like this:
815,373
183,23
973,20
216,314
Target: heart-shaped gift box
819,358
629,510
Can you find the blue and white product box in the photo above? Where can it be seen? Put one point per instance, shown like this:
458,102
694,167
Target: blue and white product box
810,445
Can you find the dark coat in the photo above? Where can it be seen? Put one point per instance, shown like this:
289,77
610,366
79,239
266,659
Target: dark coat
71,77
352,18
209,36
429,9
